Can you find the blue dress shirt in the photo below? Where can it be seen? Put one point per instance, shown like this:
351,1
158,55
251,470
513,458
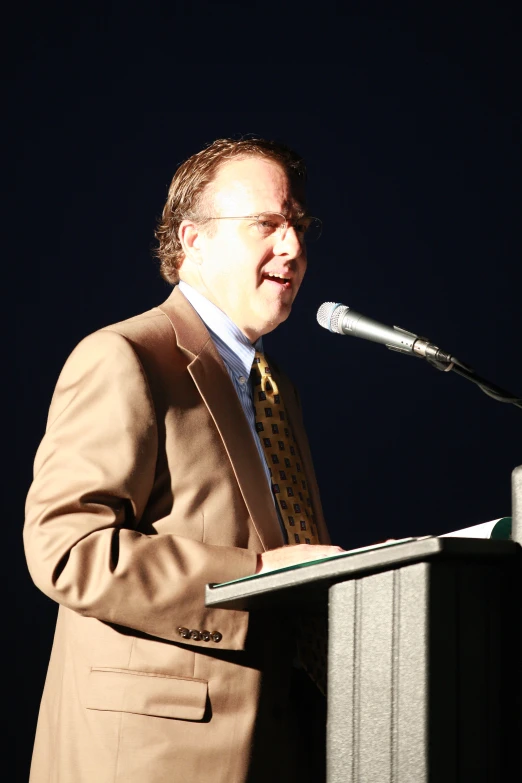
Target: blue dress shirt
237,353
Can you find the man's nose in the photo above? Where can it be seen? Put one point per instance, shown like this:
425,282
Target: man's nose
289,242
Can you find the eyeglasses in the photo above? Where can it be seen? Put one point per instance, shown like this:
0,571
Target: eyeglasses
306,227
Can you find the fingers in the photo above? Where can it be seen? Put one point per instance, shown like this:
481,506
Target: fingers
291,555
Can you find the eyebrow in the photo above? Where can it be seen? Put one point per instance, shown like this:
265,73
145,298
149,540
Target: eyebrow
294,209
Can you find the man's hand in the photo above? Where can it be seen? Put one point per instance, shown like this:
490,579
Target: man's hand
290,555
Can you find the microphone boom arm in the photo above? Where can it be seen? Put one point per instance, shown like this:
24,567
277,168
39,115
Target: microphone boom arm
489,388
423,349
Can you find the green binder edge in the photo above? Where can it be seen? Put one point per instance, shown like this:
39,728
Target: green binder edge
501,532
341,555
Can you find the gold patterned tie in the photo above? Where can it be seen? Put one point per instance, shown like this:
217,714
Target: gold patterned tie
291,491
289,482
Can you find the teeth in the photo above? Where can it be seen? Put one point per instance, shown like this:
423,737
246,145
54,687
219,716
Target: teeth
280,277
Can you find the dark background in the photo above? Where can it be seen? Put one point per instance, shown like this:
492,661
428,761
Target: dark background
409,118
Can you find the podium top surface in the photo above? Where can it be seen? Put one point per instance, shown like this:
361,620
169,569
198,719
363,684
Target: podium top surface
316,576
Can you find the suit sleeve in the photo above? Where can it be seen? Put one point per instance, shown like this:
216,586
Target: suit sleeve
94,472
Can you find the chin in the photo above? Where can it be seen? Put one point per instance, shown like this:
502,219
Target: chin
278,319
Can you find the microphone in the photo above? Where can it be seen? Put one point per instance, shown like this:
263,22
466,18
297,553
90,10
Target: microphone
340,319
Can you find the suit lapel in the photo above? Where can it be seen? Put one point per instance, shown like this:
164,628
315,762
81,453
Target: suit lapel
217,391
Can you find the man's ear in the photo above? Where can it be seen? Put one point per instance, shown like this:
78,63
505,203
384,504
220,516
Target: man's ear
190,237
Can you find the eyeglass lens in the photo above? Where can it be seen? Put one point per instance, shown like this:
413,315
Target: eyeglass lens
307,227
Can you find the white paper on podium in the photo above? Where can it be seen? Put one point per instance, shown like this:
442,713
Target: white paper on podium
496,528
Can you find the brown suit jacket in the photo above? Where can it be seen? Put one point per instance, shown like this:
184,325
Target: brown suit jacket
148,485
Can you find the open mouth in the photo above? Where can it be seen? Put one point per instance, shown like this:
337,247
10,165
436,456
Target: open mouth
279,279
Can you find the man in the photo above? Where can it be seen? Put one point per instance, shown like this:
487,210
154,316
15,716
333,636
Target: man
151,482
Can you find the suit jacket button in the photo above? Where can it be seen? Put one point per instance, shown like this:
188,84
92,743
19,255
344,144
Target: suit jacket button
196,635
216,636
184,632
205,635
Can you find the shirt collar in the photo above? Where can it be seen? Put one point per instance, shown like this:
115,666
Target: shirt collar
222,327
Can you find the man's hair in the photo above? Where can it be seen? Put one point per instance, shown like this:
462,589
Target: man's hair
188,196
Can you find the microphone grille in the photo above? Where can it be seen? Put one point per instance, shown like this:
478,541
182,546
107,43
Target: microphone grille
329,314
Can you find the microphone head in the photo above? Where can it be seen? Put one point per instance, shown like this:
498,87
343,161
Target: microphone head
329,315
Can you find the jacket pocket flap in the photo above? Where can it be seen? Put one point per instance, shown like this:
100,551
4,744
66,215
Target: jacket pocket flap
147,693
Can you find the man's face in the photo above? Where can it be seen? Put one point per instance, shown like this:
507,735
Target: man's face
251,278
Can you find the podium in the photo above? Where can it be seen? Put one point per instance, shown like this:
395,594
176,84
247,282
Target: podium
424,656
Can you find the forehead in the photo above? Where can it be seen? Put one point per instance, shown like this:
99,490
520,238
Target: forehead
252,185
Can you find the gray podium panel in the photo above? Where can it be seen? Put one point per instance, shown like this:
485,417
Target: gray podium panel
420,676
424,657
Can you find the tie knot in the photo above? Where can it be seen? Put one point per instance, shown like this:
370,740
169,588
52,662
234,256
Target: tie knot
261,372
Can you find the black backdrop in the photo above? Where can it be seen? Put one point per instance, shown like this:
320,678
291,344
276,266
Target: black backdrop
410,123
